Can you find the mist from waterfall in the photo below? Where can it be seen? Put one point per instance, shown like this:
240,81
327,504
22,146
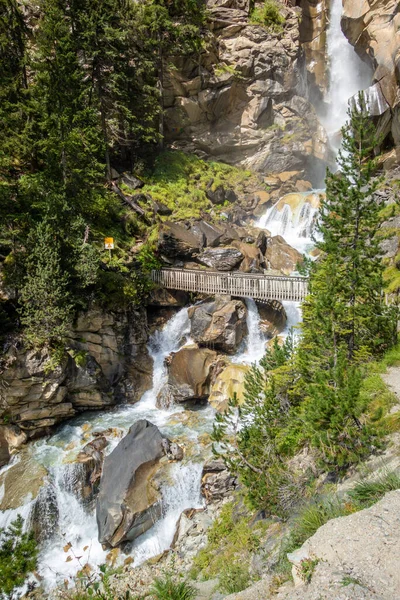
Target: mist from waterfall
348,74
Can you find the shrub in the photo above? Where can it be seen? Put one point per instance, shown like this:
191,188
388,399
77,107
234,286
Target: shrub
268,15
18,556
168,588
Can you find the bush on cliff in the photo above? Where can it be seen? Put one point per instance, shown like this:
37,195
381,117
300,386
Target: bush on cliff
268,15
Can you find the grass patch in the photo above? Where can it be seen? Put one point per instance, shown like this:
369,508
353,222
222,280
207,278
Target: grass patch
180,182
268,15
368,492
170,588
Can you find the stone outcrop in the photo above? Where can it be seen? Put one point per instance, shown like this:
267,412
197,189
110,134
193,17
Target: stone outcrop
364,546
281,257
220,324
106,359
127,504
373,28
244,102
21,482
216,482
228,382
189,376
175,241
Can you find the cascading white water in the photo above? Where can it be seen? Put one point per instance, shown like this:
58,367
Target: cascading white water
183,492
297,225
348,74
255,341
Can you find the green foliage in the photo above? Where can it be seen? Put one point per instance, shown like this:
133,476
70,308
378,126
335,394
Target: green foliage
246,434
307,568
312,518
18,557
169,587
234,577
369,491
231,539
268,15
180,181
91,101
46,301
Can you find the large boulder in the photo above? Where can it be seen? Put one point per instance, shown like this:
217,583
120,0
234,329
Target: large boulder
176,241
189,376
221,259
127,505
282,257
212,234
220,324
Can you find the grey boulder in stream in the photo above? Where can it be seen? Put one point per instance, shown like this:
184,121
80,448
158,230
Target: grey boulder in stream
127,505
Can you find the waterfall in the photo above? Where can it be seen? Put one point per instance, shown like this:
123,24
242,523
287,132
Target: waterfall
255,342
161,344
178,494
295,225
348,74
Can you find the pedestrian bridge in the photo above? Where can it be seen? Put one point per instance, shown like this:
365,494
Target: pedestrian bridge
242,285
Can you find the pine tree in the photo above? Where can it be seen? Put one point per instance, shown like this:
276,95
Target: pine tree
346,306
246,435
47,308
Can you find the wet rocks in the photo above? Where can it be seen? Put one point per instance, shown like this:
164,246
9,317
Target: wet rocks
221,259
21,482
220,324
272,317
92,457
189,376
127,504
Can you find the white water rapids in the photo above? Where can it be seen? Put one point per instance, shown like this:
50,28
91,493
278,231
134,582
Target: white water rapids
61,512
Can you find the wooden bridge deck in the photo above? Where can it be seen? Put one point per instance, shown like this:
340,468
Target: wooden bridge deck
242,285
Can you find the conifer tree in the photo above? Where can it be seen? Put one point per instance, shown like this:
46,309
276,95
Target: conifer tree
346,306
46,301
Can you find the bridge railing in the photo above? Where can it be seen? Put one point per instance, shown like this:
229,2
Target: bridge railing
242,285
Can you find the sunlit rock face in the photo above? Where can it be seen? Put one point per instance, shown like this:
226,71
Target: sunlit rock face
313,27
245,99
373,28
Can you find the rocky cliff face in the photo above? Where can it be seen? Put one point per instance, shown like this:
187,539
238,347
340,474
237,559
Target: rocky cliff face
107,360
244,100
373,28
313,27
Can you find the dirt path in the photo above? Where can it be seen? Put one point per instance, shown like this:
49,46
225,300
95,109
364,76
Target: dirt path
392,380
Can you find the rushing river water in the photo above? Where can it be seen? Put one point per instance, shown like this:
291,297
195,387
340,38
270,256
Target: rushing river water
59,509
